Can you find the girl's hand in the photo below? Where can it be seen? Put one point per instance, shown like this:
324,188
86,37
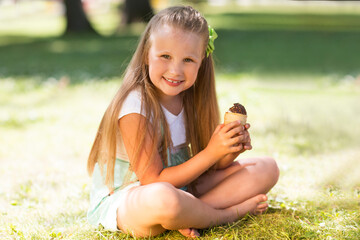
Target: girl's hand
229,158
227,139
246,137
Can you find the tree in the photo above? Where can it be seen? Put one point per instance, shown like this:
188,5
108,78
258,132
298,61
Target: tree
76,20
136,10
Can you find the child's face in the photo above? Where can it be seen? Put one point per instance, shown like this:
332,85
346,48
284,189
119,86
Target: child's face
174,59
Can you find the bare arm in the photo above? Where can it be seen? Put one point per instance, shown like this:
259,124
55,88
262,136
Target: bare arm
223,142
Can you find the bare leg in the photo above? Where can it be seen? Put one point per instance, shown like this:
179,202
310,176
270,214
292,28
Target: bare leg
237,183
150,210
240,181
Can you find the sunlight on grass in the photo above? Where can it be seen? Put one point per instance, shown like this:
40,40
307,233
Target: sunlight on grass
45,184
301,90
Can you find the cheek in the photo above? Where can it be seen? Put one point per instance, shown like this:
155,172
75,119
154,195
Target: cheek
152,66
192,75
155,64
195,71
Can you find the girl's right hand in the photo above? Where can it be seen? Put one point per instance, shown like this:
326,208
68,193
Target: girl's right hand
225,140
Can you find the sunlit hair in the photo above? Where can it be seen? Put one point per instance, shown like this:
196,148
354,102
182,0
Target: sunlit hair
199,101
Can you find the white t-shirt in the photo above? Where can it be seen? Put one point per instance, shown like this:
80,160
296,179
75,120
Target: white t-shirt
132,104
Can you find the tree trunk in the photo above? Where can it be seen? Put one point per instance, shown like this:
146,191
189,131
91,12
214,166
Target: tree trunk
76,20
136,10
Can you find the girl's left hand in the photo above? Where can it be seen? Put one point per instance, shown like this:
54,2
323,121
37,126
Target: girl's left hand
244,138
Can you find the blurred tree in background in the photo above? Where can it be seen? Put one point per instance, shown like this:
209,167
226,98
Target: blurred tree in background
136,10
76,20
130,11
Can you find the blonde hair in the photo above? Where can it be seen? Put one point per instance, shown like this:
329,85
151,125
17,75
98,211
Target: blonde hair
199,101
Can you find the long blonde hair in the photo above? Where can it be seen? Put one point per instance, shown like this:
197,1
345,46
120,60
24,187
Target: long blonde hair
199,101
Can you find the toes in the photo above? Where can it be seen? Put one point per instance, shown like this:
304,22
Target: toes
261,208
262,205
194,233
186,232
259,212
189,232
262,198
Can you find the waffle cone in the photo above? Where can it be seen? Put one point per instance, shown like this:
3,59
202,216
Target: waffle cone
231,117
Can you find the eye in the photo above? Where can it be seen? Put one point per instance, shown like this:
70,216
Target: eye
165,56
188,60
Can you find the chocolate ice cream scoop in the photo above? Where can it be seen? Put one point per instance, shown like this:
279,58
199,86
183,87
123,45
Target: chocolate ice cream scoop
235,113
238,108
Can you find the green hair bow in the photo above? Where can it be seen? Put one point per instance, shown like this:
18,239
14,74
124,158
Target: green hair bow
212,36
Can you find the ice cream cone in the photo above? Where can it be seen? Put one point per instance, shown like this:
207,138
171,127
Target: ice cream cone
235,113
231,117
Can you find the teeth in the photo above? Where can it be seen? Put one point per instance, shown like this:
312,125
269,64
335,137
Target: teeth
171,80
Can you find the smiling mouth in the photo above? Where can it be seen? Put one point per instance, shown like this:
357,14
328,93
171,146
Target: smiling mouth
173,81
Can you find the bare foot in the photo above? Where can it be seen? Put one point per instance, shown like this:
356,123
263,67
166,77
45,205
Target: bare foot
255,205
189,232
261,206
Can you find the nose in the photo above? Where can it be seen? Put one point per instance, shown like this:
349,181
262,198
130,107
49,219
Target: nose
175,68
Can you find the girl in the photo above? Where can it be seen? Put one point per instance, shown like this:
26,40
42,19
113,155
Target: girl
160,160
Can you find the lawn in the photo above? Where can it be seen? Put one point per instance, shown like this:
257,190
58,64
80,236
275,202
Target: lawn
297,71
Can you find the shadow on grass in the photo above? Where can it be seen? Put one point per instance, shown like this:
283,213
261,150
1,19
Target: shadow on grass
270,52
290,21
80,58
259,52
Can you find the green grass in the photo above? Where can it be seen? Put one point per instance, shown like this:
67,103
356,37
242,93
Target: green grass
300,84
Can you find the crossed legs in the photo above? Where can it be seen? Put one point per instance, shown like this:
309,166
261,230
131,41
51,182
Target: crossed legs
240,181
223,197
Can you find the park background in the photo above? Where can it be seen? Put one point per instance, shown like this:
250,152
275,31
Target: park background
295,65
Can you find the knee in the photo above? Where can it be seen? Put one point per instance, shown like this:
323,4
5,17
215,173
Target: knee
164,200
269,170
